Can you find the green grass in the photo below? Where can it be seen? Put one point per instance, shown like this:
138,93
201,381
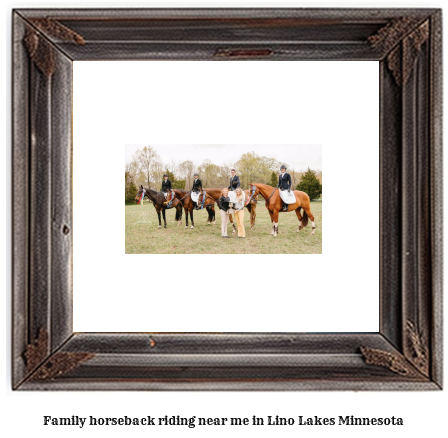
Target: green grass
144,237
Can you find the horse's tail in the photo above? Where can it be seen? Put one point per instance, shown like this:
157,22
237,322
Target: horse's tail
178,213
304,219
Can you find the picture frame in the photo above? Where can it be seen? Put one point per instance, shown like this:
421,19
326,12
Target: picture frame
406,353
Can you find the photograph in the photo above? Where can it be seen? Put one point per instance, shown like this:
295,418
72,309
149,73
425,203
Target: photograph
185,199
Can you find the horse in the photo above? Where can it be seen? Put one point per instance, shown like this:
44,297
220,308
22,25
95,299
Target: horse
160,204
274,204
183,196
215,194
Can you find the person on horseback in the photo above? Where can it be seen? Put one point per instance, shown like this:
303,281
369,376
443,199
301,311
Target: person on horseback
166,189
197,186
166,184
234,181
284,183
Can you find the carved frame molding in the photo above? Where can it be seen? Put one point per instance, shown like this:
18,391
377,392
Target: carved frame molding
406,354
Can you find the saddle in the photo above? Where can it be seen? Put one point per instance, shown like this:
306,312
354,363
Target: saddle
287,197
194,196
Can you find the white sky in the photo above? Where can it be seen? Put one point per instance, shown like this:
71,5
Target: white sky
297,157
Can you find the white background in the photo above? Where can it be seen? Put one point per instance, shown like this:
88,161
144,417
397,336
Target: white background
424,413
191,102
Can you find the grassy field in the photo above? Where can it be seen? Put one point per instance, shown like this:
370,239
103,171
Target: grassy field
144,237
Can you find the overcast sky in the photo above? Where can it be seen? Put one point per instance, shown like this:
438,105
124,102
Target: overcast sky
297,157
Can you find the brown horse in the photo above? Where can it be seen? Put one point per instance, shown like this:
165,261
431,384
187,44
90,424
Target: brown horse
274,204
183,196
215,194
160,203
185,199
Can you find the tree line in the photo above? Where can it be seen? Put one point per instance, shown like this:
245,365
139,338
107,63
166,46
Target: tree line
147,169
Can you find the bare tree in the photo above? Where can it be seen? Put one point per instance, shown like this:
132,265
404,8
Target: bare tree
272,164
209,174
255,168
186,170
157,175
148,160
225,174
132,169
172,166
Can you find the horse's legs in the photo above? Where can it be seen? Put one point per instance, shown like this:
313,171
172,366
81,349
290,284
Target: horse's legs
179,213
176,205
191,217
186,217
233,225
308,215
299,217
253,214
209,216
164,217
311,216
158,214
272,222
275,222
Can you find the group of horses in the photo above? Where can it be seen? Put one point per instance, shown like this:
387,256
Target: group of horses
181,199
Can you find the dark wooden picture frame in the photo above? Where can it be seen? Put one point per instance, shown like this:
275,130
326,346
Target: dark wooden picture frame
406,353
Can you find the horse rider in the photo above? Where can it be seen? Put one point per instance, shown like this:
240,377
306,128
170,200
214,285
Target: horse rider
166,189
284,183
197,186
234,181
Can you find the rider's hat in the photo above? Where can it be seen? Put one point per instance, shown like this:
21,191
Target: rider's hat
196,174
165,174
283,167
